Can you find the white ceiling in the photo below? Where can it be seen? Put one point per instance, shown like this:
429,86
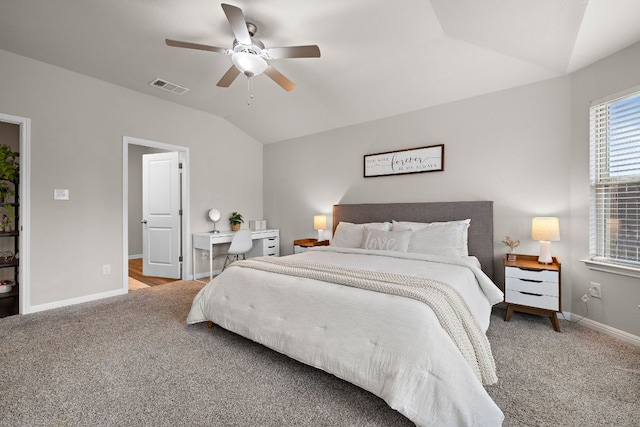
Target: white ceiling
379,58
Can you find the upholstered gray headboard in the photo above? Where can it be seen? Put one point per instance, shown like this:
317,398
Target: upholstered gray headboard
480,231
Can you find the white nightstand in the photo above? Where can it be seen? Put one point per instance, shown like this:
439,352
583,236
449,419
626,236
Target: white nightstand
531,287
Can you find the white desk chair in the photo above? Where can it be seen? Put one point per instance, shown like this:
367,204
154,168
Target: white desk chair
240,245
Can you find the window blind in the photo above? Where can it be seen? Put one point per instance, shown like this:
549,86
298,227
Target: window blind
615,180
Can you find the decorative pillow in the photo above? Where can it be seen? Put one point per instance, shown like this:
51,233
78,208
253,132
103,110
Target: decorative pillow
441,238
386,240
384,226
348,235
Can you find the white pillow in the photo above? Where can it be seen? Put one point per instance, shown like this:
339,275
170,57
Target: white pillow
441,238
348,235
386,240
406,225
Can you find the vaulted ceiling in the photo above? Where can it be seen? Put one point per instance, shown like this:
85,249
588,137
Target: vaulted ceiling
379,58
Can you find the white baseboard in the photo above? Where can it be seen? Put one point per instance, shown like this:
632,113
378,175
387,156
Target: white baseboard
605,329
73,301
135,256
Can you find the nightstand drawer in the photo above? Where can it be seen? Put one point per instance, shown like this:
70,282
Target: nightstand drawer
539,275
535,287
532,300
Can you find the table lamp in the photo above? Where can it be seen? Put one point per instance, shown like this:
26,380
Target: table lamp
320,223
546,230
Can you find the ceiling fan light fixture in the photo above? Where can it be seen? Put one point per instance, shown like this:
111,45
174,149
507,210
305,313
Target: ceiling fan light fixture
249,64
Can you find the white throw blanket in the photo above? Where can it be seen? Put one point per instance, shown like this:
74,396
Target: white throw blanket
449,307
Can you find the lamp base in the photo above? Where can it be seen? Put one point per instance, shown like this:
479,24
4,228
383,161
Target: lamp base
545,252
320,235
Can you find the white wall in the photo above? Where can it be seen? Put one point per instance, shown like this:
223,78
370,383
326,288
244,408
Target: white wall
77,128
511,147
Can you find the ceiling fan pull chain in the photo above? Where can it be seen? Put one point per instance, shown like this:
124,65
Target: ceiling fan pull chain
249,93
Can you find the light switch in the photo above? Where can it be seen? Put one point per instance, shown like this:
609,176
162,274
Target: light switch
60,194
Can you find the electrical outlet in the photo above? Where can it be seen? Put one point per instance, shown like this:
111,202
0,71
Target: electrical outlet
595,290
585,298
205,255
106,269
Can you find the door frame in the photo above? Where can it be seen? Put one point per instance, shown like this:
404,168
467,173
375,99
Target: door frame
186,241
24,211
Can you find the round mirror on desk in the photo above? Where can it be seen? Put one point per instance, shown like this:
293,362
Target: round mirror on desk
214,216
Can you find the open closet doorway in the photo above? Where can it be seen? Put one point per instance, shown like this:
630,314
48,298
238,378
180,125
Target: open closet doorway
155,213
15,132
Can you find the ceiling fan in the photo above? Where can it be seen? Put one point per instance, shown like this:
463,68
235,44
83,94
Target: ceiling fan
249,54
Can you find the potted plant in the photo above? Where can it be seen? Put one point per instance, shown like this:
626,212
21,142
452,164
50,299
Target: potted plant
236,220
9,164
6,190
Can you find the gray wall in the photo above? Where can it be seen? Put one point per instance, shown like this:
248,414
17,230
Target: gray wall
620,294
527,149
510,147
77,126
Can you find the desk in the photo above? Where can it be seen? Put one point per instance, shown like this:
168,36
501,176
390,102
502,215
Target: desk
269,244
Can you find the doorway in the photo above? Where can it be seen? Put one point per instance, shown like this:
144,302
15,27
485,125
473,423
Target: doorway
133,151
20,130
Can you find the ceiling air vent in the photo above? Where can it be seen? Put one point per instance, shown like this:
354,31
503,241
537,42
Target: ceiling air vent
168,86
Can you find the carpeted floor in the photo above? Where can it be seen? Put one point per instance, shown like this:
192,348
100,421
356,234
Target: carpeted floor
131,360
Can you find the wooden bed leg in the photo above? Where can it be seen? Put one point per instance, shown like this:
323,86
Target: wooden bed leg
209,324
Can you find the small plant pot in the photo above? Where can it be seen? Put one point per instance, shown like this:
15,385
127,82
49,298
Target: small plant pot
235,227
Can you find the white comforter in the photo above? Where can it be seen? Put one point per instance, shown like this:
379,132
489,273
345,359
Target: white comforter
391,346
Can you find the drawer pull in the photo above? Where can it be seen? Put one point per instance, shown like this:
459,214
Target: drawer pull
530,280
531,293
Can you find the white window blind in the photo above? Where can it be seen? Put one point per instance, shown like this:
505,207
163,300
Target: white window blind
615,181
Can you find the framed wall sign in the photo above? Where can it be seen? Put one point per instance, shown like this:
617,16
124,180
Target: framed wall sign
413,160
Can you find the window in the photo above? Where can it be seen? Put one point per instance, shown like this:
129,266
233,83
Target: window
615,181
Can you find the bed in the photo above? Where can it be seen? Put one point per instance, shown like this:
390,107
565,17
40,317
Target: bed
390,313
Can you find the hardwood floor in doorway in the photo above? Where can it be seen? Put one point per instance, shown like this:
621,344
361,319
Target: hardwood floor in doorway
135,271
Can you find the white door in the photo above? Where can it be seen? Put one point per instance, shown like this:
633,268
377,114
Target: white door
161,215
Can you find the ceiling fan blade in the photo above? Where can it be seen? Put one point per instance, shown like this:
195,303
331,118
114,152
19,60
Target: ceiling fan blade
176,43
228,77
279,78
311,51
238,23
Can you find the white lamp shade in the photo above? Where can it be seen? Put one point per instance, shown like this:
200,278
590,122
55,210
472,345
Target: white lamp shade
545,228
248,63
320,222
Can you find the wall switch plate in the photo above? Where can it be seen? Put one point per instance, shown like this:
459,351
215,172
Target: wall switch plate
60,194
106,269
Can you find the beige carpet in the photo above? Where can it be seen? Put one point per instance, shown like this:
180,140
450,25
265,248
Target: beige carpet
131,360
